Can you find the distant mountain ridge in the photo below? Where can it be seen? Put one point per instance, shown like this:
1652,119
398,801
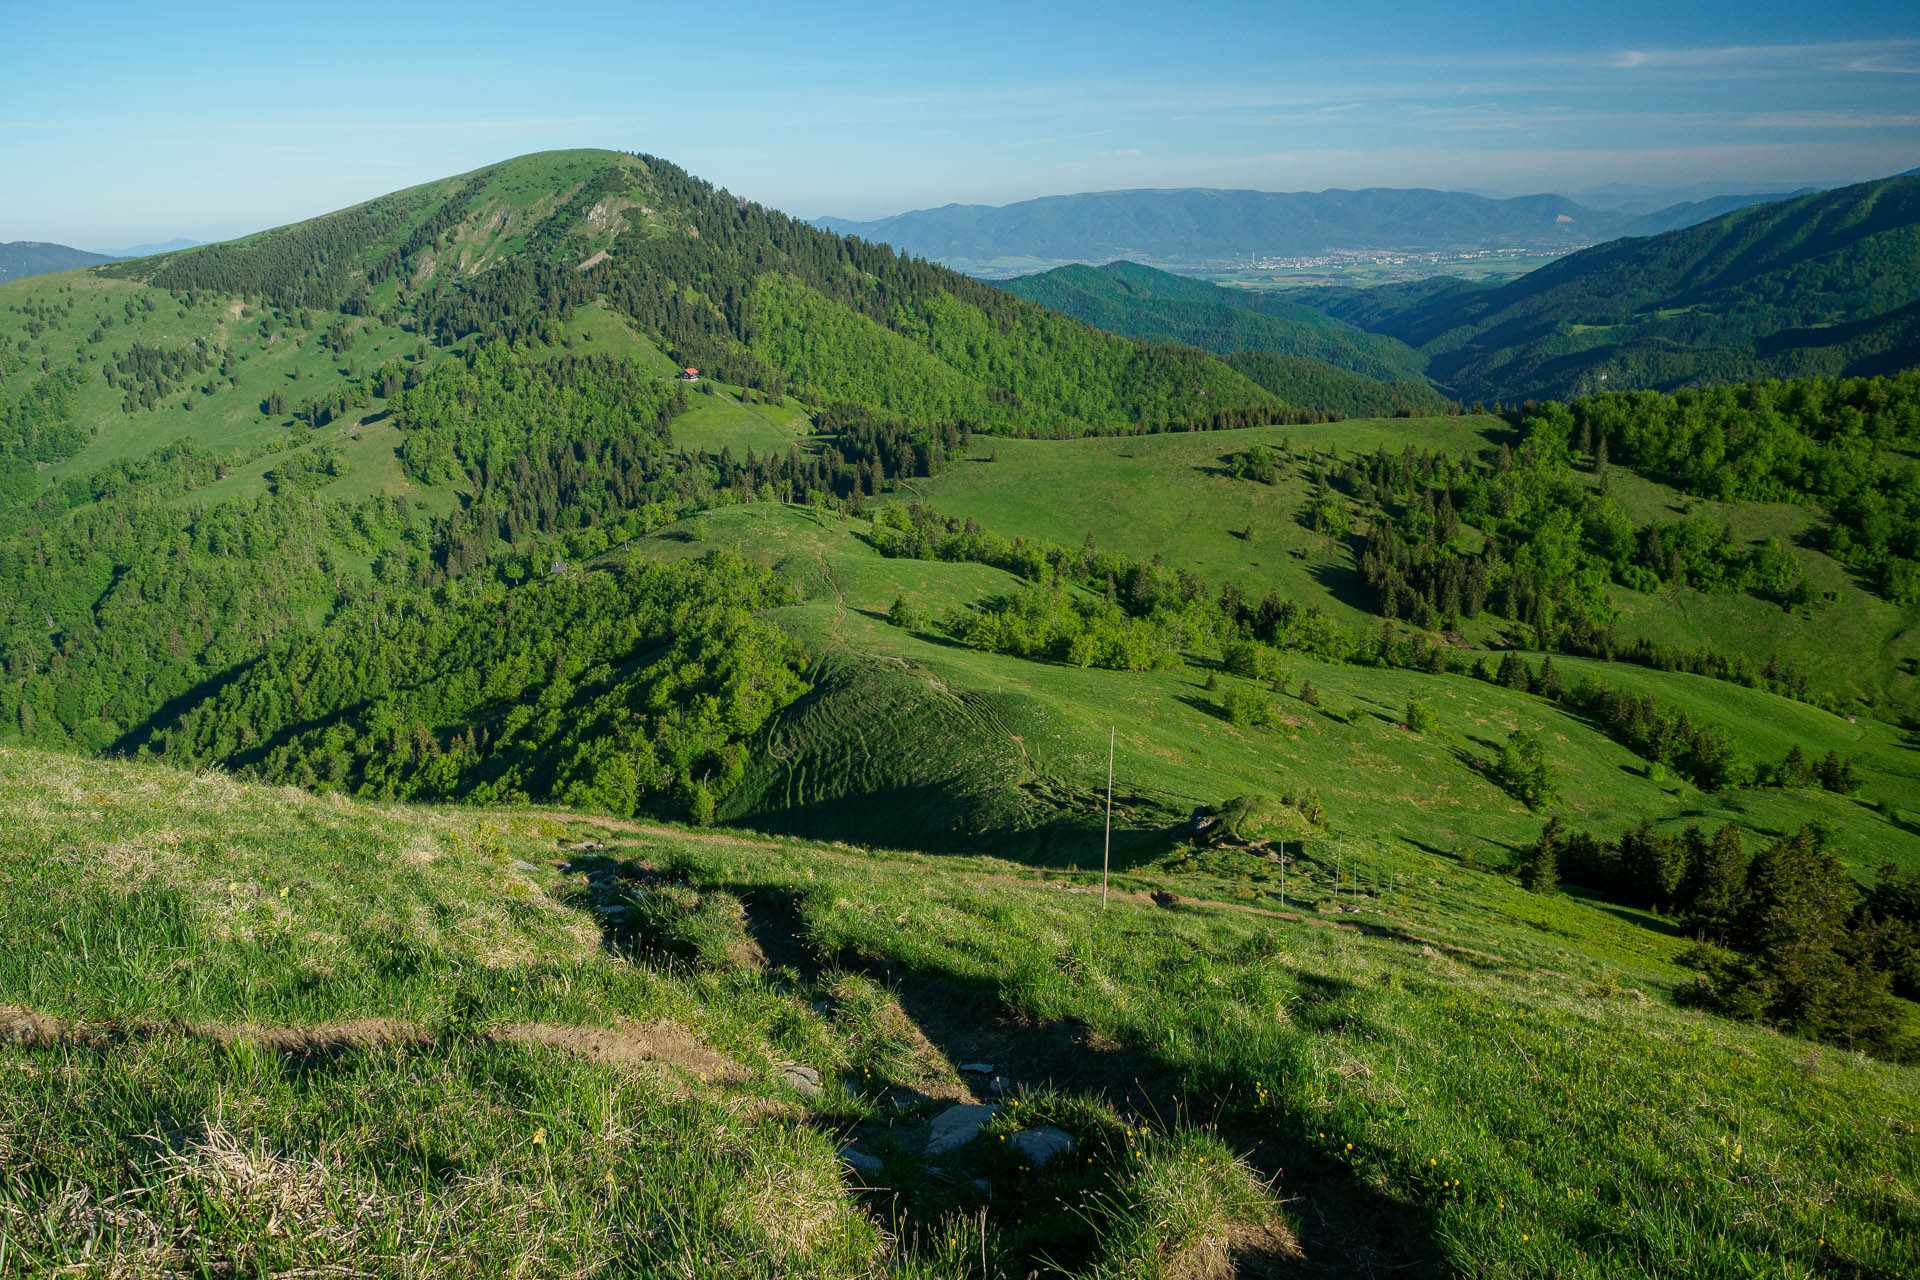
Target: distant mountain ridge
37,257
1820,285
1195,226
148,250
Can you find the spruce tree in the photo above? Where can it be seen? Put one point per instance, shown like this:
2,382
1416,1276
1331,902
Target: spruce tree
1795,924
1652,864
1715,889
1541,874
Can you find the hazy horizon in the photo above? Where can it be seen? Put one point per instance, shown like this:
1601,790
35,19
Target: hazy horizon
264,119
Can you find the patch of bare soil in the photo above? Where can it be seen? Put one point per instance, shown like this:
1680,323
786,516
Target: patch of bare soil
1244,1252
594,261
325,1039
24,1026
631,1043
627,1044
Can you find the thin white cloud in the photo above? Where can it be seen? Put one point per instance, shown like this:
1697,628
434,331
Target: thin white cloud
1880,64
1829,120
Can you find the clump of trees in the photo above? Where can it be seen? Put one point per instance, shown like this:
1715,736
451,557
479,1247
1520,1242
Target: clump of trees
1837,442
1786,937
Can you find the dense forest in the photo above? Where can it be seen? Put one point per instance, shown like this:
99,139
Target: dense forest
1156,306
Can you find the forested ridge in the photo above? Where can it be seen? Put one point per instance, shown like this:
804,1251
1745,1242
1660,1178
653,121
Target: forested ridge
1817,285
1141,302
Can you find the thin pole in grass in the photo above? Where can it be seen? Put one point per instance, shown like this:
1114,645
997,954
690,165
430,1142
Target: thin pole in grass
1106,847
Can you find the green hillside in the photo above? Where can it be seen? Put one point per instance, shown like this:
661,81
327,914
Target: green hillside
1817,285
1312,352
460,1042
410,505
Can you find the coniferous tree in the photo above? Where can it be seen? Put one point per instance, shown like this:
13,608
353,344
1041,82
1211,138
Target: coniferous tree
1652,864
1714,891
1549,684
1794,769
1799,899
1541,874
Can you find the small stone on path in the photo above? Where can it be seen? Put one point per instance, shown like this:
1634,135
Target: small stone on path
805,1079
1037,1146
860,1160
957,1126
977,1068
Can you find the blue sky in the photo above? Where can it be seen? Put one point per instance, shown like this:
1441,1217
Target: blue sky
132,123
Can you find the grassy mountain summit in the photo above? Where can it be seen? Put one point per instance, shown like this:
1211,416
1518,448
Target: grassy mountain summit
1821,284
719,283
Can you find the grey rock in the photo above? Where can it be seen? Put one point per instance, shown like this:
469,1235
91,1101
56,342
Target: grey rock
957,1126
805,1079
1037,1146
860,1160
977,1068
523,866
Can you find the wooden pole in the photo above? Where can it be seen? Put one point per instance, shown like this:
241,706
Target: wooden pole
1106,847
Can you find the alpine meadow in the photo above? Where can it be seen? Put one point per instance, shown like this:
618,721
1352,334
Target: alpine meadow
565,722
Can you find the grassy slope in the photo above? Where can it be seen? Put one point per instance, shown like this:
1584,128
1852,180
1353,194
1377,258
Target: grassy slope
1167,494
1445,1076
911,741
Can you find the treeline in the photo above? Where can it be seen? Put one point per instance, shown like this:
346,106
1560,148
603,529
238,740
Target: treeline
1703,754
1842,443
1121,590
628,691
1316,386
1788,938
1548,548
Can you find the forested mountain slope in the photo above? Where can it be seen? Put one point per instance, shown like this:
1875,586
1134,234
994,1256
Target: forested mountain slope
722,284
1822,284
1157,306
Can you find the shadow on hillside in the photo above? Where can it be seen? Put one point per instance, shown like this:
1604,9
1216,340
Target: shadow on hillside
935,818
1344,1225
1645,919
1344,583
173,708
